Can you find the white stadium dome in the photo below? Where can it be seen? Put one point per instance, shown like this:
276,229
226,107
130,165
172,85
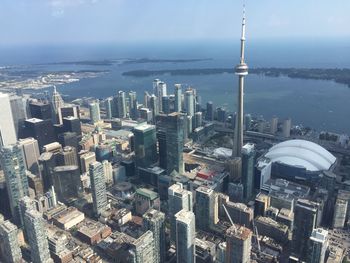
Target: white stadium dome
301,153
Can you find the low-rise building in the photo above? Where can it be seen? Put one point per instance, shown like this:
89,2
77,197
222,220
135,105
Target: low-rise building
92,232
68,218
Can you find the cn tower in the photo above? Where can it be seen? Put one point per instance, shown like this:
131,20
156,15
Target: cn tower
241,70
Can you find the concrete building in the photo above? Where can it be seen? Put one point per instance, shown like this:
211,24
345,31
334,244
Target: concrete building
98,188
31,154
66,218
185,236
13,165
154,221
7,127
85,160
178,199
241,71
206,208
93,232
240,213
339,215
238,244
19,113
108,172
67,156
262,203
318,244
10,251
35,228
146,199
268,227
143,249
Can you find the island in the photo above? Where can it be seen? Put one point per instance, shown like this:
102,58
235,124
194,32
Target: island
338,75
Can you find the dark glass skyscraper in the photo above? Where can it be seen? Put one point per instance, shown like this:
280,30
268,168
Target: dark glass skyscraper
145,145
170,133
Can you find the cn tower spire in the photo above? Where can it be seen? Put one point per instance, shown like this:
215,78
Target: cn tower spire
241,71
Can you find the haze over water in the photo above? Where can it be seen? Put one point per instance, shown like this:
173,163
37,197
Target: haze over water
322,105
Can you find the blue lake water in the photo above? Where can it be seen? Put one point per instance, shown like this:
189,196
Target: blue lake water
323,105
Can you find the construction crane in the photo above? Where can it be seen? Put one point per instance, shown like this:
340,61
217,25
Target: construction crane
255,229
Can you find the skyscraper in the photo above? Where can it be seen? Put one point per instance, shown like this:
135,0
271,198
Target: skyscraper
41,130
121,104
178,199
31,154
154,221
318,244
238,244
98,187
145,145
133,105
248,161
170,133
206,208
10,251
210,111
305,218
143,249
108,106
57,103
189,102
153,105
108,172
166,104
241,70
274,125
19,113
94,112
7,127
40,110
37,238
178,97
13,164
287,125
185,236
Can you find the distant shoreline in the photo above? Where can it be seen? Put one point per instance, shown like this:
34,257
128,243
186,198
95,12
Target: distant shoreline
341,76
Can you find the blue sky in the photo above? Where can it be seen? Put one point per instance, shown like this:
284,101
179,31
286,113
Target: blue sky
110,21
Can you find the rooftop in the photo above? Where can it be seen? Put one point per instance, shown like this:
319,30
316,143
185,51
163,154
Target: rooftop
239,232
302,153
147,193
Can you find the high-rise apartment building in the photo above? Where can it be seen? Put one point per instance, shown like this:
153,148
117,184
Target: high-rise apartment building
98,187
185,236
238,244
206,208
36,233
178,199
95,115
13,164
318,244
154,221
10,251
143,249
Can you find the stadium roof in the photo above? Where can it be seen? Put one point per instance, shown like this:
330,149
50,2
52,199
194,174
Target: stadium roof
303,154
